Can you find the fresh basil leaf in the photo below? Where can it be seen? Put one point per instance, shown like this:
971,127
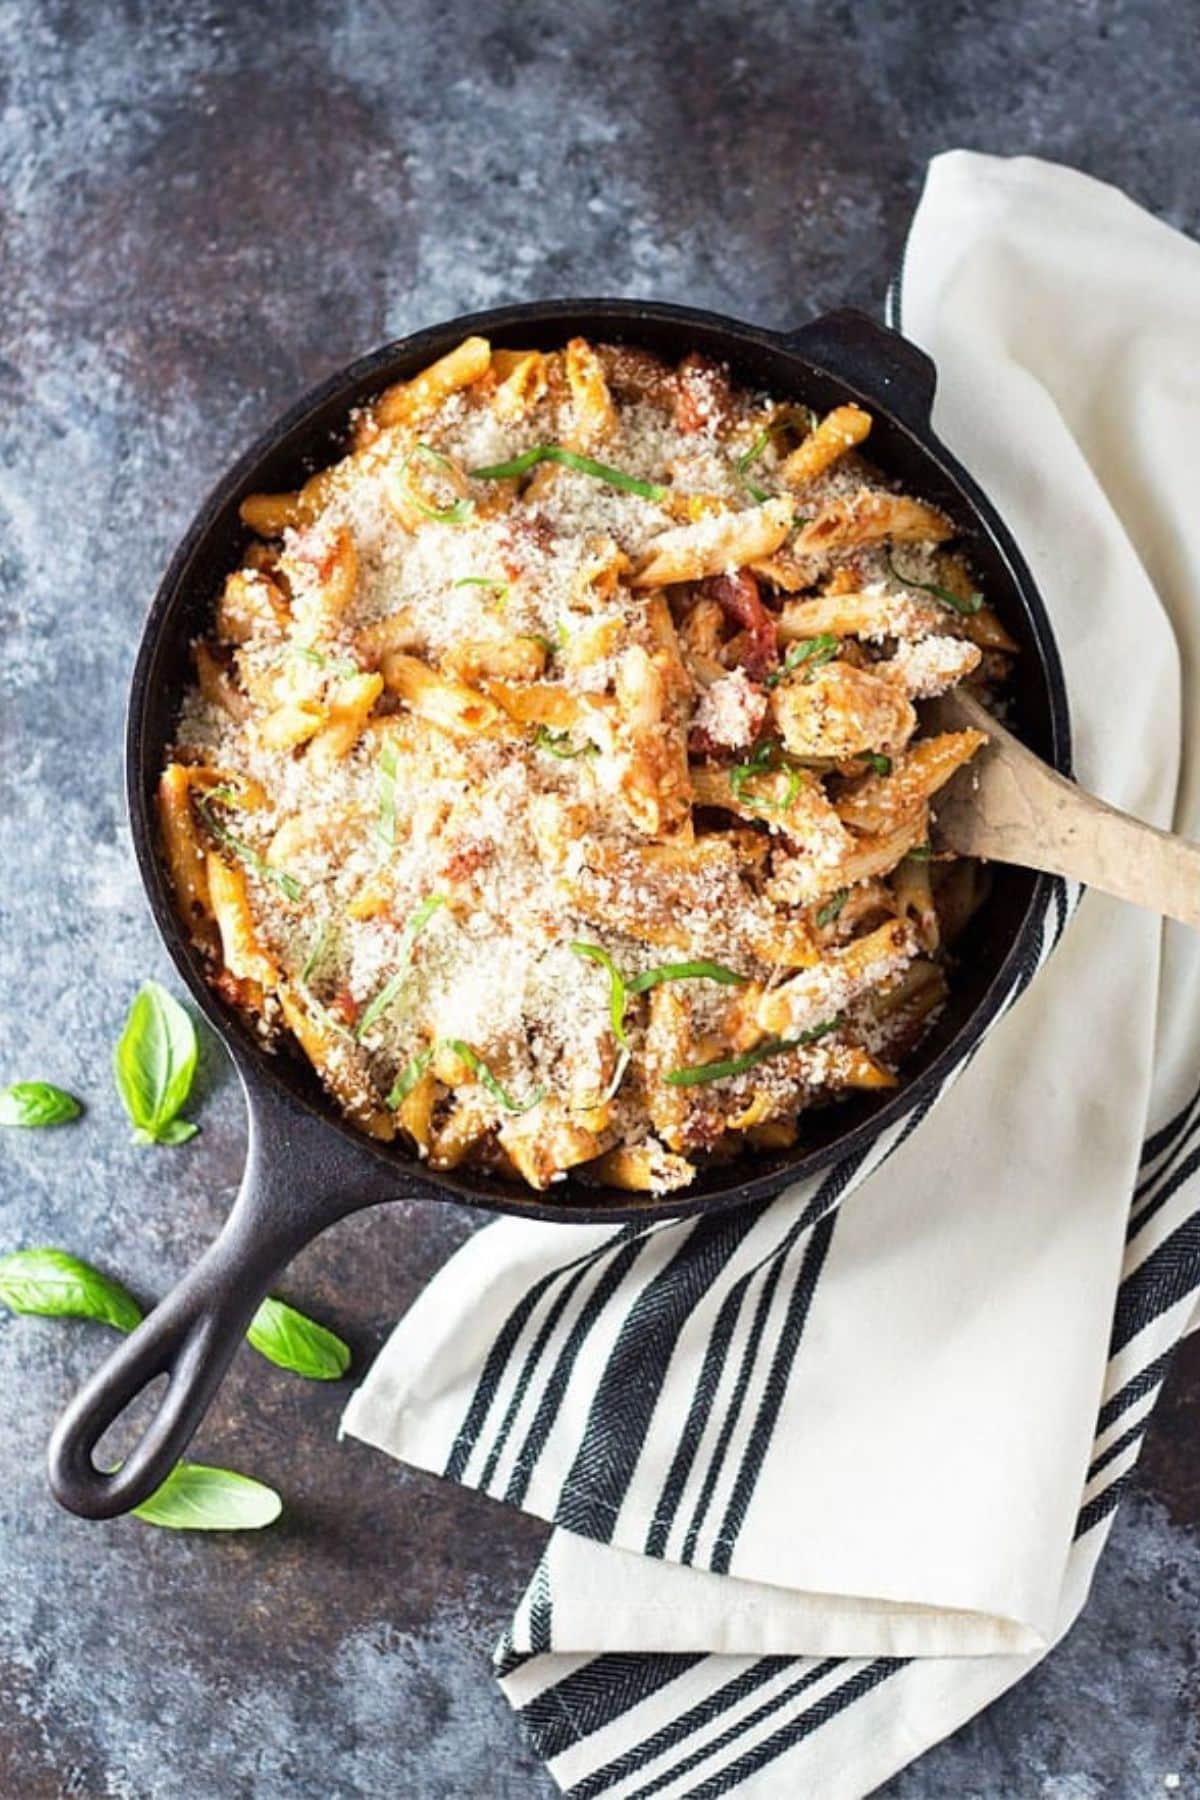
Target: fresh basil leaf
37,1103
55,1285
292,1341
195,1497
175,1131
154,1063
882,765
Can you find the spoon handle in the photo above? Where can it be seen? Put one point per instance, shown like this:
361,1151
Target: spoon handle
1010,806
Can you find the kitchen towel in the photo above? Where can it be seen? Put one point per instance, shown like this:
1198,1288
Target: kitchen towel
830,1473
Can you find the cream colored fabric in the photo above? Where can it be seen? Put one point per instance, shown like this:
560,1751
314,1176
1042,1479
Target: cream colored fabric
929,1462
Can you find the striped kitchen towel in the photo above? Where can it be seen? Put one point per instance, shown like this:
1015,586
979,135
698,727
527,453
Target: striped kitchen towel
827,1478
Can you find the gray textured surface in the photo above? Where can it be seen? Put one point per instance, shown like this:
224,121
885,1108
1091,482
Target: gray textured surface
206,208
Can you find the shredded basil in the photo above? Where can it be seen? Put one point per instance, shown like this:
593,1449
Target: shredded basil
287,884
812,651
535,637
334,664
833,907
624,1058
967,605
415,925
317,952
882,765
409,1076
458,513
416,1066
558,743
499,588
920,853
684,971
737,1065
483,1074
569,459
620,990
616,990
747,461
386,827
762,763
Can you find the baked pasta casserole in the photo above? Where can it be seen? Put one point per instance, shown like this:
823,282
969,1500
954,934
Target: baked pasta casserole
553,775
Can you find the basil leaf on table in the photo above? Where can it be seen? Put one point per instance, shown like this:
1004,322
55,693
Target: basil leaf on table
154,1062
37,1103
292,1341
195,1497
56,1285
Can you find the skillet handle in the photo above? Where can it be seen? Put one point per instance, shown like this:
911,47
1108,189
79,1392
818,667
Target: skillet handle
295,1184
877,363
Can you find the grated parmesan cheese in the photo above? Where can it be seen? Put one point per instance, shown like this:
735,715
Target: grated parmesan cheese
537,832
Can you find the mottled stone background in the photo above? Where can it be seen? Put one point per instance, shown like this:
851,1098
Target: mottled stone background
206,208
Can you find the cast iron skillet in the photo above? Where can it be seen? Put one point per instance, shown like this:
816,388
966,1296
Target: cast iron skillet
306,1167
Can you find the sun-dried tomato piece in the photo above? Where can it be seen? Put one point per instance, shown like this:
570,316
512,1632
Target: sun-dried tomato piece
739,599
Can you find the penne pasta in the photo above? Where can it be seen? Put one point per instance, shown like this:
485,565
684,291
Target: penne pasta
554,776
837,432
723,541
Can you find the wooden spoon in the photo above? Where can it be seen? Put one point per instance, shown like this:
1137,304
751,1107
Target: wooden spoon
1010,806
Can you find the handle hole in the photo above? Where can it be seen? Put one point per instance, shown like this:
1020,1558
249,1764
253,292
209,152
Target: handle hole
122,1435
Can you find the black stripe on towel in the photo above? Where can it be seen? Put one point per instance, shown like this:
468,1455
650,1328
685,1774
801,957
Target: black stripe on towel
633,1378
794,1732
786,1349
1172,1176
1167,1276
1166,1134
596,1695
721,1700
498,1355
540,1619
533,1358
782,1363
712,1367
1135,1389
1099,1509
556,1387
1116,1448
737,1400
713,1746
